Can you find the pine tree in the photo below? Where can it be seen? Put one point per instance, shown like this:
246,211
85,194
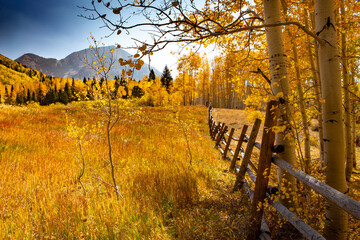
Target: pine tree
166,78
12,95
117,85
28,96
7,96
33,97
151,75
50,97
137,92
19,99
68,91
63,97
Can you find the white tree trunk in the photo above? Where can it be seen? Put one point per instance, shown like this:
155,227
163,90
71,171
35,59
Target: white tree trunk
334,136
347,101
280,87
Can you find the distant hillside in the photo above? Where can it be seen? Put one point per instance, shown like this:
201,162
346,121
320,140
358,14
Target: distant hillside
72,66
11,72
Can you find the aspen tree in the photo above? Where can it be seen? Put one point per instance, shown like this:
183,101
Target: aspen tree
347,101
300,92
316,85
334,145
280,87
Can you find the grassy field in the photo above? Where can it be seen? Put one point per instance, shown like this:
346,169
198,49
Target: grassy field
164,195
167,191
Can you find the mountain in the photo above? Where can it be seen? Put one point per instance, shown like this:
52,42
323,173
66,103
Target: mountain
72,66
12,72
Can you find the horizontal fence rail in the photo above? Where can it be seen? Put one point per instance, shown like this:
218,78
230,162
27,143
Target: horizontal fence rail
223,138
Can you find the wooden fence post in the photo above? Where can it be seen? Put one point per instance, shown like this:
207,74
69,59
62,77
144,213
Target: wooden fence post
213,133
244,164
221,134
262,176
228,142
211,126
210,118
238,147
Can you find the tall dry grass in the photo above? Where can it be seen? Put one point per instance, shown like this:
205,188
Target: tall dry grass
163,196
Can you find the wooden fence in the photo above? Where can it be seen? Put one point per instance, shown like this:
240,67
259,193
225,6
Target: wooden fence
258,228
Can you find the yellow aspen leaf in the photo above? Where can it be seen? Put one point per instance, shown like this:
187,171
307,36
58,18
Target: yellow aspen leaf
136,55
279,95
141,62
137,66
142,48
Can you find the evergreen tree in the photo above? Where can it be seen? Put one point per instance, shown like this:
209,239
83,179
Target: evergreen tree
12,95
63,97
28,96
166,78
137,92
50,97
69,91
151,75
101,82
117,85
33,97
40,95
7,96
20,99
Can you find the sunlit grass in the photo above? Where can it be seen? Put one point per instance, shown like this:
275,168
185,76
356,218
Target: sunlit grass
164,195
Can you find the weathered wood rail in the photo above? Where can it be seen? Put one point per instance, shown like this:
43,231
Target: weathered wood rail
258,228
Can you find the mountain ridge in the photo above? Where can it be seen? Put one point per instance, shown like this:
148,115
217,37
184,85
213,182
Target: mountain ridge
72,65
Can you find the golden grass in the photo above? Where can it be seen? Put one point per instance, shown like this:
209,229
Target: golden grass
163,197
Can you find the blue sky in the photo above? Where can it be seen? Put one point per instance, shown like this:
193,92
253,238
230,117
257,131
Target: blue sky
52,29
49,28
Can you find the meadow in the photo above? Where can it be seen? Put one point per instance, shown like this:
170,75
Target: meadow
173,183
168,190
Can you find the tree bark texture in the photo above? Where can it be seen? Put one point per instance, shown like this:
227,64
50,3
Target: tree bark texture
347,101
281,88
334,136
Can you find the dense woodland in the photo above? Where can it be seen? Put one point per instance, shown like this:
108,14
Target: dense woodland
21,85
